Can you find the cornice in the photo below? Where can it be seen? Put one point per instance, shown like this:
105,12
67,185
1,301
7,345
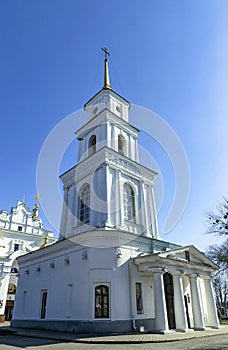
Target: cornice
105,91
111,158
20,233
47,252
146,263
80,241
107,116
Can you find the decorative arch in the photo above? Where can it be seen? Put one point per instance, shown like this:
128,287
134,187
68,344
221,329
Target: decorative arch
129,203
121,145
92,145
102,301
84,205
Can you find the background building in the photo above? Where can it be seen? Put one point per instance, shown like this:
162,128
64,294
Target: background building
21,231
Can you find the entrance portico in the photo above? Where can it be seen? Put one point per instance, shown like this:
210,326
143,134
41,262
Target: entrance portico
182,283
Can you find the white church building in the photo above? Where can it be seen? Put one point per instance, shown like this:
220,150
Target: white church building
110,271
21,232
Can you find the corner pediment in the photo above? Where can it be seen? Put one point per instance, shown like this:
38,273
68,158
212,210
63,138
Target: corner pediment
187,258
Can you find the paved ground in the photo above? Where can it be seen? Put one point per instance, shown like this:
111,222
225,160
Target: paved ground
13,342
14,338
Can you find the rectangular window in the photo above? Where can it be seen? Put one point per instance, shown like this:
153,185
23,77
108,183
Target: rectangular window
43,304
16,247
138,294
19,228
187,255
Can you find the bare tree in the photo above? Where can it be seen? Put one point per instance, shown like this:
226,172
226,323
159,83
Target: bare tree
218,253
218,221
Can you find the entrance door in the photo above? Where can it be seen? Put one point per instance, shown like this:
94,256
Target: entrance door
9,310
186,309
102,301
43,304
169,297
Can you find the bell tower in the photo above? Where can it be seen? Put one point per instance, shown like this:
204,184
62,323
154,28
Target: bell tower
108,190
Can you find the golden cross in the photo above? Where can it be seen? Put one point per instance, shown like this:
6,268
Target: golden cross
37,198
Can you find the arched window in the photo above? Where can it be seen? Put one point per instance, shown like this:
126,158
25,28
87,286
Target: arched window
84,210
12,288
14,270
129,203
102,301
121,145
92,145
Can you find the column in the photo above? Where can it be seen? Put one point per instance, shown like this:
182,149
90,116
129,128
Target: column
196,303
210,301
179,307
161,321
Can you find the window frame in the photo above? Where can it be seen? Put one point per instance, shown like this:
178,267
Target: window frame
121,145
11,289
139,298
105,314
92,144
84,204
16,247
129,206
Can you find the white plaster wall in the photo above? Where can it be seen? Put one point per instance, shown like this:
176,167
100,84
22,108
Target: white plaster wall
100,267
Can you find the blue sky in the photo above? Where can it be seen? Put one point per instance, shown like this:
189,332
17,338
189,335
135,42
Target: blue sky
170,56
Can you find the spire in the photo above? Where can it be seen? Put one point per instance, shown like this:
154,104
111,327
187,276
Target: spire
106,72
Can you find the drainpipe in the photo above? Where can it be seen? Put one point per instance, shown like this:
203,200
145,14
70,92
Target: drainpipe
130,292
